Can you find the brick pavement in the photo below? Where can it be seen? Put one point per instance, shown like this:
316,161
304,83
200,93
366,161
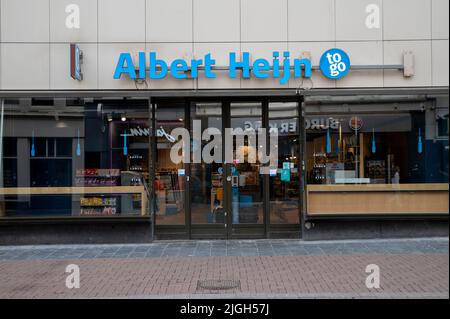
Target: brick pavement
330,272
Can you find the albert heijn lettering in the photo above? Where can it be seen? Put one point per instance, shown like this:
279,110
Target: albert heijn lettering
179,68
334,64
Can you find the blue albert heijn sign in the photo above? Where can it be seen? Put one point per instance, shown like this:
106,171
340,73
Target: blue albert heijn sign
334,64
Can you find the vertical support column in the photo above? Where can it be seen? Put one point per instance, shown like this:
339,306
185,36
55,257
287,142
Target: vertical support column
266,177
361,155
77,163
226,123
23,163
356,144
23,167
302,167
151,165
187,167
2,197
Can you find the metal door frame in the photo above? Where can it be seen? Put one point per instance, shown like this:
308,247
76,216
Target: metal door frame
248,231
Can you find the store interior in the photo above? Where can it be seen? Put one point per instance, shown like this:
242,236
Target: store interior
366,149
75,157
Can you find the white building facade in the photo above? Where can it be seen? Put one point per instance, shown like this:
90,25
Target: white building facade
87,153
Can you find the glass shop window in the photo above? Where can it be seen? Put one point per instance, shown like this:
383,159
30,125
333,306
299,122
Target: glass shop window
74,158
368,149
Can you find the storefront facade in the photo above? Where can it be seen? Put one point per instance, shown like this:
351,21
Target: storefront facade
92,110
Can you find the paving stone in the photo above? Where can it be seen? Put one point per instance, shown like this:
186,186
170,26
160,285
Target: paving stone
253,252
233,252
233,247
137,255
313,250
89,255
187,252
219,252
202,252
266,253
281,252
109,250
154,253
298,251
142,249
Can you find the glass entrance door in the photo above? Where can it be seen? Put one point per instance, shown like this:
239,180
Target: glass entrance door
224,187
208,209
247,182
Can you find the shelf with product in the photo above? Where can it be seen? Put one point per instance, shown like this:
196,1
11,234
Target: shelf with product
170,188
98,201
98,205
97,177
132,203
98,211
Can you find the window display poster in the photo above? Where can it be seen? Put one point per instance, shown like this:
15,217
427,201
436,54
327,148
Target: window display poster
332,169
285,175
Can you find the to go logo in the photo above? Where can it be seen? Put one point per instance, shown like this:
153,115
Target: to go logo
334,64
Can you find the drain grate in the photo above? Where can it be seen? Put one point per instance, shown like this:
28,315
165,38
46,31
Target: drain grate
218,284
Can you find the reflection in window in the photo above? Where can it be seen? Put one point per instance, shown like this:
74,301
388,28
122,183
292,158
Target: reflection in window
284,183
65,157
170,187
207,199
376,155
247,182
367,149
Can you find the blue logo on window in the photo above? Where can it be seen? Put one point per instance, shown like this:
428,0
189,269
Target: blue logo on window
334,64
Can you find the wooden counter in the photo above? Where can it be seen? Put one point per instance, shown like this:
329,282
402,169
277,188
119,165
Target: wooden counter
378,199
100,190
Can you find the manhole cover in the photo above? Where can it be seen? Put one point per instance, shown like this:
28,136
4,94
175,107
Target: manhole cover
218,284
